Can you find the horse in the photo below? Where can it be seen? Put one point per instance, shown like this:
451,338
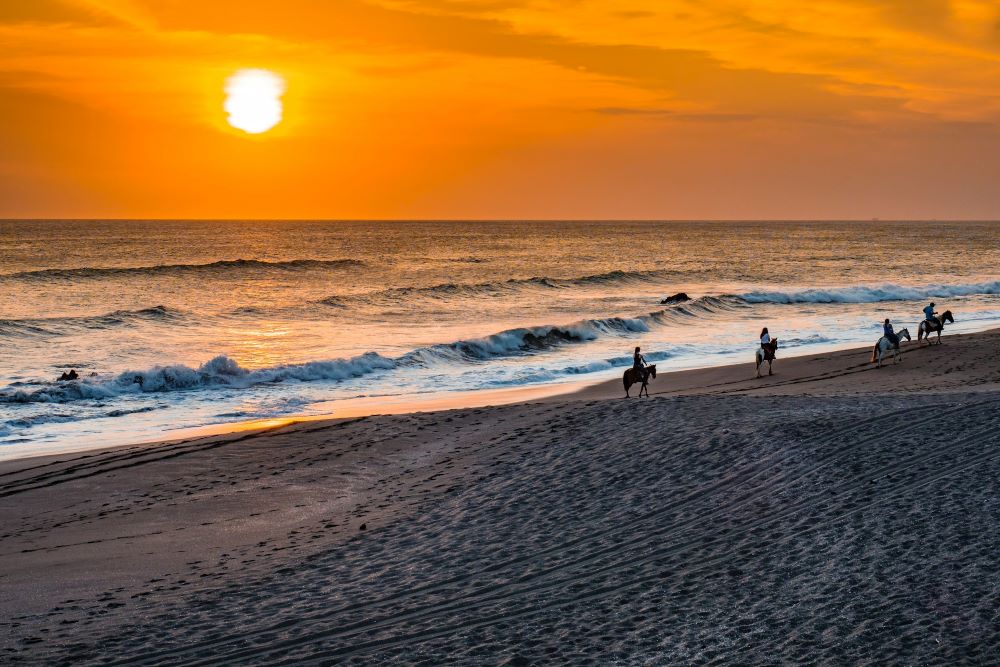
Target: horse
926,327
883,346
633,375
766,353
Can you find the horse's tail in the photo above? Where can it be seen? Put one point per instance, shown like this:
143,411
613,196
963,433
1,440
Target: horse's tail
920,332
875,353
625,380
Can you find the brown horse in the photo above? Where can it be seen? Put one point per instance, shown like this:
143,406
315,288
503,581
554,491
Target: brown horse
632,376
766,353
925,328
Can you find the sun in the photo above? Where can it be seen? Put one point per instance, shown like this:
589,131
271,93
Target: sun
253,100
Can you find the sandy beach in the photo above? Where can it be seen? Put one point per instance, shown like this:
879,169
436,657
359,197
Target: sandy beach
830,513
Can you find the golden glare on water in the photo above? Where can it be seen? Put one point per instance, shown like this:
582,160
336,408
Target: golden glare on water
253,100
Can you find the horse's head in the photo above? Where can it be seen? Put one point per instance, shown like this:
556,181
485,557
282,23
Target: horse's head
652,370
946,316
904,333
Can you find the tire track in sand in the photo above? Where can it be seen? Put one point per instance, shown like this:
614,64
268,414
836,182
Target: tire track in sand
601,593
734,481
531,584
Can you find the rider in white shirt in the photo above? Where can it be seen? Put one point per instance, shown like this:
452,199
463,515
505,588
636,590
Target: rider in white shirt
765,337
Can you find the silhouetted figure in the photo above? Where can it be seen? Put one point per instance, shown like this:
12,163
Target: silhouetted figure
889,333
638,363
67,377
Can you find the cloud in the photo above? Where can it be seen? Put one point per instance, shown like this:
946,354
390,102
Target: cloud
408,101
685,73
673,114
48,11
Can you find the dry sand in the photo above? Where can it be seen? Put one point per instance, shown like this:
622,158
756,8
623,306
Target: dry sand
829,513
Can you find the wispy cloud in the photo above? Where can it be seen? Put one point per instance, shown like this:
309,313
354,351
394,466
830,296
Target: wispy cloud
423,107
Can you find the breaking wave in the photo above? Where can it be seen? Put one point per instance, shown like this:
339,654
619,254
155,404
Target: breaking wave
213,268
218,372
223,371
871,294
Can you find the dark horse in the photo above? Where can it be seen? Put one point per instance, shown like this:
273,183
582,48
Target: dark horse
765,353
926,328
632,376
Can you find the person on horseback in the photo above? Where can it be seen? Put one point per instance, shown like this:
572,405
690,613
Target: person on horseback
930,316
639,363
889,333
766,351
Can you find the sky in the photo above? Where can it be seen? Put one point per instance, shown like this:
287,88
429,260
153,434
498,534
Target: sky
483,109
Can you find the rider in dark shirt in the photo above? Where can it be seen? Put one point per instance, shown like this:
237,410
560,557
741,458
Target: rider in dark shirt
638,362
889,333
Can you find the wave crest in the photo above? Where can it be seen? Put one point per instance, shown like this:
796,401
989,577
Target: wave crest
221,371
53,326
219,268
870,294
499,287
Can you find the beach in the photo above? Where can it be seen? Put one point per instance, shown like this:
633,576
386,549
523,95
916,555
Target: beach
829,513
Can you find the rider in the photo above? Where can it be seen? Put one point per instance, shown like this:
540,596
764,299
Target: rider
888,332
930,315
638,362
765,338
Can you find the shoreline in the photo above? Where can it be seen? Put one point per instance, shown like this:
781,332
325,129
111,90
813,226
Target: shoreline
815,365
722,514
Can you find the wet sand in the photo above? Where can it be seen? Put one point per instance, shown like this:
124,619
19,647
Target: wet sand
828,513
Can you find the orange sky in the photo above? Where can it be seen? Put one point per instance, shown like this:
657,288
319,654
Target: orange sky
504,109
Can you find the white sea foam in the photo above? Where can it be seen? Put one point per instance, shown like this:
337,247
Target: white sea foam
223,371
871,294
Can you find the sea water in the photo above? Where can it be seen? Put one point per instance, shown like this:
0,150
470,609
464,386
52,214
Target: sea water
175,324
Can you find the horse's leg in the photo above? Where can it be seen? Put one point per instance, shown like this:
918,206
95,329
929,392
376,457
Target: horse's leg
769,371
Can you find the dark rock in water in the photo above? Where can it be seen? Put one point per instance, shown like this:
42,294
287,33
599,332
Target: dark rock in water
67,377
680,297
363,526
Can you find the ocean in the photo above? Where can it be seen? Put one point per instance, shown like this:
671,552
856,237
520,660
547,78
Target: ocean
179,324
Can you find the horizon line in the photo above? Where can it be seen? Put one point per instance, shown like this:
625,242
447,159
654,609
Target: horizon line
477,220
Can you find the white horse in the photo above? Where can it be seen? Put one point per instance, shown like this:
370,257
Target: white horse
883,347
765,353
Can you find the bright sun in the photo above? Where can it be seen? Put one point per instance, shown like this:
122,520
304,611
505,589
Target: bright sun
253,100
